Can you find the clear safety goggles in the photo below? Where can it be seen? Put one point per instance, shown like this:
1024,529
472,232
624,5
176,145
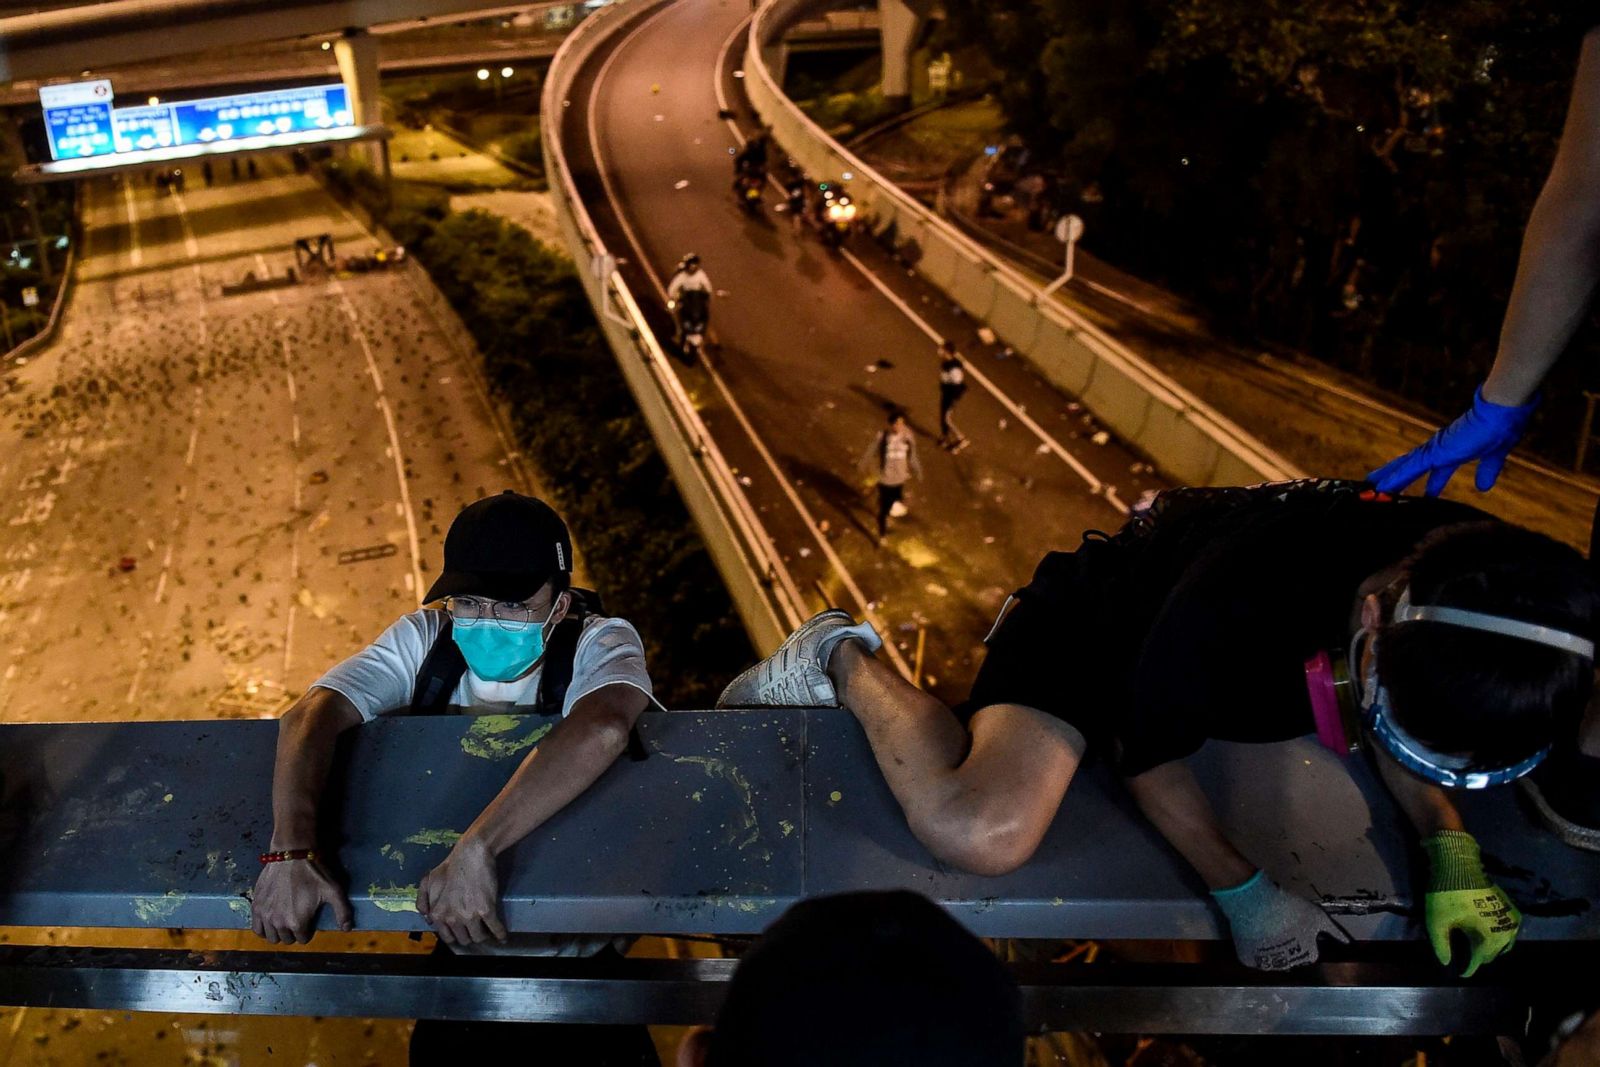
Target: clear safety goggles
1452,772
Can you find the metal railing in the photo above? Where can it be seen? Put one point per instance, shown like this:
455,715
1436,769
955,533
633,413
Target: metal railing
1188,440
763,591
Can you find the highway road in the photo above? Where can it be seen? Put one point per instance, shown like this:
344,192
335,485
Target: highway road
814,346
211,498
278,468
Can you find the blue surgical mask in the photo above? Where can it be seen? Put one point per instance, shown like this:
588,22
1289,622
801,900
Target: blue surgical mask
496,654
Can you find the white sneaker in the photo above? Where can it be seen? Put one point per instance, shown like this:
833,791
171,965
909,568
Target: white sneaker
796,675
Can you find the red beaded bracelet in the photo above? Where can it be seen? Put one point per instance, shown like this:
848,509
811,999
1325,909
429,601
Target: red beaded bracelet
288,854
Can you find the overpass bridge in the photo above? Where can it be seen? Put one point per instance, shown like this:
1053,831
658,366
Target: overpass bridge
730,818
737,813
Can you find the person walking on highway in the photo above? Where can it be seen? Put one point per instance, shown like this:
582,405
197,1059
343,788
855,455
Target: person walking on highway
952,386
511,636
894,455
1455,648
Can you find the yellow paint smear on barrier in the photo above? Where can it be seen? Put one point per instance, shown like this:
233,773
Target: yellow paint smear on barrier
434,837
393,897
486,737
746,830
151,910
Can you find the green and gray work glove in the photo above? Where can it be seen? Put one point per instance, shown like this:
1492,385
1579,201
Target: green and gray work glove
1273,929
1461,898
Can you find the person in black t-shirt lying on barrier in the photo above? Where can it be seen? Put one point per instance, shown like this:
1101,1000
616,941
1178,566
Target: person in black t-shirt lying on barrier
1457,648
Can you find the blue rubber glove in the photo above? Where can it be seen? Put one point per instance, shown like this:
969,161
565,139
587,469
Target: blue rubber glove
1273,929
1486,433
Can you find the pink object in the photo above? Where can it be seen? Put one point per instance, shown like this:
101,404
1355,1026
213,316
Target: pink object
1325,704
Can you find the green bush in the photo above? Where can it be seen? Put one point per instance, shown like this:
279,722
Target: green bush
524,148
545,357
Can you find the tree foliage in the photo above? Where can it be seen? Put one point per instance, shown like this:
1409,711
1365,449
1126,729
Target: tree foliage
1347,177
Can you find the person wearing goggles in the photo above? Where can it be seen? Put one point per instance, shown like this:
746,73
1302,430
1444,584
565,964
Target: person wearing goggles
1229,614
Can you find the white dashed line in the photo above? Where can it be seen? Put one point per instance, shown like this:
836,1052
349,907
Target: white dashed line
135,253
414,578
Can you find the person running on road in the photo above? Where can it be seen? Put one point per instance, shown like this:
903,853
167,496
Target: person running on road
894,455
1556,279
1227,613
952,385
511,629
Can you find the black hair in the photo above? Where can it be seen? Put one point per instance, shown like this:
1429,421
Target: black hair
895,415
1496,698
869,978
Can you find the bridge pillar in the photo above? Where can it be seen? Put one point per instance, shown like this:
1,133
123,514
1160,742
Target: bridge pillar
901,24
357,53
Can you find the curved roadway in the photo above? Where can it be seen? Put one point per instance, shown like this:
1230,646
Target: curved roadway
814,346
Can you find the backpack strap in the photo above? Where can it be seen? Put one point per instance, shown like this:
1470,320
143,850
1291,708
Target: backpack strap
443,667
439,674
560,655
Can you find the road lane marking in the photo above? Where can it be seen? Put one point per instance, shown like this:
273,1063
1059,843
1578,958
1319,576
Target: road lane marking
789,490
294,482
414,578
135,253
138,674
1096,486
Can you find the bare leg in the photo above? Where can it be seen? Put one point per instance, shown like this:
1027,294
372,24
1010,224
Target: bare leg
982,801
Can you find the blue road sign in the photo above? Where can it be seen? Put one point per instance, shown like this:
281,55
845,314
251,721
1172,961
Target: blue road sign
83,122
77,118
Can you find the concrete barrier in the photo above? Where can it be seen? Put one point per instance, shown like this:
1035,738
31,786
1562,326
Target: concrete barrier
763,592
1185,438
28,346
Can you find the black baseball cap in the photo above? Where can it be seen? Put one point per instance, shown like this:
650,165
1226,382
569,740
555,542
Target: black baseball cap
865,979
503,547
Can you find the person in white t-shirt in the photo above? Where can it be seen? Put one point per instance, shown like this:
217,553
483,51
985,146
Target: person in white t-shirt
506,590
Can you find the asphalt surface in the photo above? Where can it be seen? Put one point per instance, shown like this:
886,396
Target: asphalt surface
237,451
214,497
814,346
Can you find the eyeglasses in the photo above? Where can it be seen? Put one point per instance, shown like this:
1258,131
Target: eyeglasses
508,615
